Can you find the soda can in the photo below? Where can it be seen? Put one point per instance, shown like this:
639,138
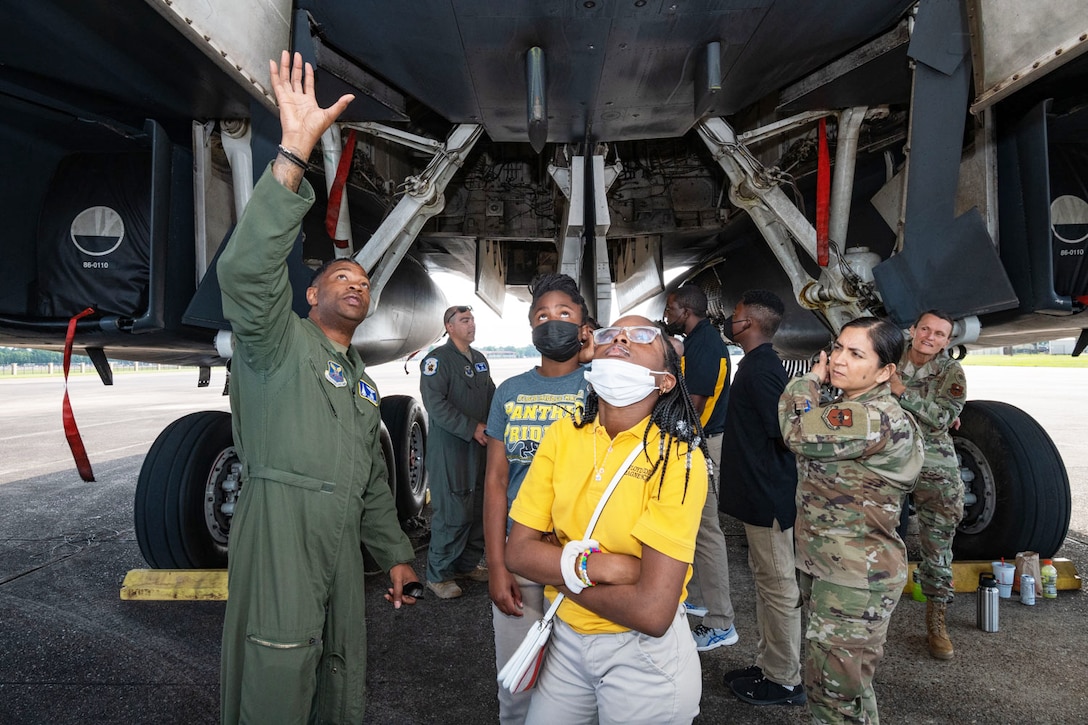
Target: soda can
1027,589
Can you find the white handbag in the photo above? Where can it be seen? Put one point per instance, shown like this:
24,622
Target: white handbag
522,669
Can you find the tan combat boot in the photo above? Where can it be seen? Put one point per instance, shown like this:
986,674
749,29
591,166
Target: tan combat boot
940,646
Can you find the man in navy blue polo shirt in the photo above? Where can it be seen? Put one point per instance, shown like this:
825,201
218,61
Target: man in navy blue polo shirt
706,374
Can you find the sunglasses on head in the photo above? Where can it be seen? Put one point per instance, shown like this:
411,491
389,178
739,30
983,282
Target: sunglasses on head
640,334
457,311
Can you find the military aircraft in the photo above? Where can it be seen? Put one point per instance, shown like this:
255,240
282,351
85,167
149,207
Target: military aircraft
861,158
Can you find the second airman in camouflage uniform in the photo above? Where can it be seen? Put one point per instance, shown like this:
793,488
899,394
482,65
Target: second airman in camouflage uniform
932,387
856,458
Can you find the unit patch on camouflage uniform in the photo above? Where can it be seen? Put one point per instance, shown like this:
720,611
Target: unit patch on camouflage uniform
836,417
955,390
837,422
430,366
335,375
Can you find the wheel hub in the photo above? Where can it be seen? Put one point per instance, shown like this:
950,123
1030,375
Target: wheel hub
980,500
221,494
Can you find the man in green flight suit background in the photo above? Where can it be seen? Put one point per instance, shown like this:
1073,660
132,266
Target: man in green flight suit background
306,424
456,386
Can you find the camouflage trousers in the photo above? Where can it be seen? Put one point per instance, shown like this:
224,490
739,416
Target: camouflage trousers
844,640
938,502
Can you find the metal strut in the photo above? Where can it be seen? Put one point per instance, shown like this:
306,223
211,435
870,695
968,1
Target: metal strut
585,226
423,198
756,191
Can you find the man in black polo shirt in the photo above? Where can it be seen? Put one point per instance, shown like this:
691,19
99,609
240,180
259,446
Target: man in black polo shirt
759,484
706,374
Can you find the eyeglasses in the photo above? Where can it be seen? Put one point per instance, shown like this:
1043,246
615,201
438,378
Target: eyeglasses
456,311
640,334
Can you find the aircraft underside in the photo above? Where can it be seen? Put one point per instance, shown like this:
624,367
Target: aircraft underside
858,159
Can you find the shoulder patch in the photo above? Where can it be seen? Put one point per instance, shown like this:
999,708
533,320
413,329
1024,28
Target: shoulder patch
430,366
335,374
838,416
840,421
365,391
955,390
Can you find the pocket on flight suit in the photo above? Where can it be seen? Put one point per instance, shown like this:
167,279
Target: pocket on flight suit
278,676
331,686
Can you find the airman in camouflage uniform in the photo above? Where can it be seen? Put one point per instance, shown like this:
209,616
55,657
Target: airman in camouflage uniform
932,387
856,458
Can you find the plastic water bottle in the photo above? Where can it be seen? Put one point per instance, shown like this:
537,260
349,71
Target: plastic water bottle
1048,577
916,590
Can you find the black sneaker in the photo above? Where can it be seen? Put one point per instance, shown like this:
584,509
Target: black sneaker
761,691
749,671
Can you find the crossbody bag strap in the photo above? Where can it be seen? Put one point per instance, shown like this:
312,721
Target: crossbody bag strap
597,514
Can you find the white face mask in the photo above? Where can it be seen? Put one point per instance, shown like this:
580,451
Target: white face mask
621,383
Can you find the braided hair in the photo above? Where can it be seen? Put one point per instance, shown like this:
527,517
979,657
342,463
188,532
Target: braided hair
674,414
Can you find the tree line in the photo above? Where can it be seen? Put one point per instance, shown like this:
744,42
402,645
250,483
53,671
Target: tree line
23,356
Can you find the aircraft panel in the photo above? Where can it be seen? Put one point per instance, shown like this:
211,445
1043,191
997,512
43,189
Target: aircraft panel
1017,42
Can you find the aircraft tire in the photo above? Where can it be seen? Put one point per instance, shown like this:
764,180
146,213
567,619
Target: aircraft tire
403,416
1017,474
179,490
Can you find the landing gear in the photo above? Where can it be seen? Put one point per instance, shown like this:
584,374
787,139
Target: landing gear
403,416
185,493
1018,496
191,477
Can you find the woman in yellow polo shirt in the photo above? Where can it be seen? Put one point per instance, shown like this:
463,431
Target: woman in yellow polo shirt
621,649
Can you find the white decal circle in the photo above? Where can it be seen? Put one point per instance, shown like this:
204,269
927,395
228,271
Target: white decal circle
1070,214
97,231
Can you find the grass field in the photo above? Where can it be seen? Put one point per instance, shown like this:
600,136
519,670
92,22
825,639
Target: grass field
1026,361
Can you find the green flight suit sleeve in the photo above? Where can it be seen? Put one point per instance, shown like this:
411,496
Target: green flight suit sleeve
834,432
380,528
936,404
252,270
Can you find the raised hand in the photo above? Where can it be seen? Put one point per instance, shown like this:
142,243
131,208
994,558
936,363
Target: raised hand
302,120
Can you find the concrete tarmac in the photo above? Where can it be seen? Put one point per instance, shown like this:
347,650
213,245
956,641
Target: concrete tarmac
74,652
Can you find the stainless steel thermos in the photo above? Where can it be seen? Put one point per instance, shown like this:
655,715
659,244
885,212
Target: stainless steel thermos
988,597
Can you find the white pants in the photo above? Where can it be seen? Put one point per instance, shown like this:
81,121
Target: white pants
509,634
626,678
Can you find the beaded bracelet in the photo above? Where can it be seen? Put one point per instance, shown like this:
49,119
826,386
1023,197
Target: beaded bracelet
581,565
292,157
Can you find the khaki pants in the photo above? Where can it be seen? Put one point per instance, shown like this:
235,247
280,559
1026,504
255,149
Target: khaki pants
509,634
625,678
709,585
778,602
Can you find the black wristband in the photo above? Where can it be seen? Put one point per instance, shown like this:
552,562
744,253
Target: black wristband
292,157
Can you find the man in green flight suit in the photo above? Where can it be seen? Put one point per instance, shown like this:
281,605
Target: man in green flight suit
306,423
457,388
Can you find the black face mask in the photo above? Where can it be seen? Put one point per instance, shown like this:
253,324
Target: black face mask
727,328
673,328
557,340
